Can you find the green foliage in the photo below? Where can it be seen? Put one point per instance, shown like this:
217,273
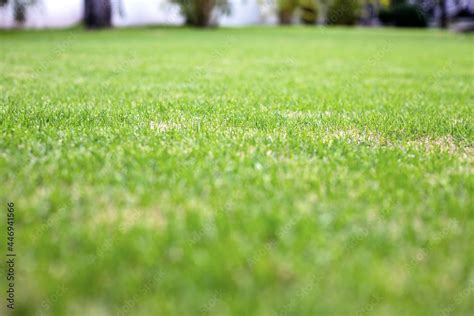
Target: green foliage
394,3
286,8
309,11
404,15
199,12
343,12
249,171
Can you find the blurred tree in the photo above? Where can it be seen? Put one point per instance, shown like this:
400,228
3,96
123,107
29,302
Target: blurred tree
343,12
427,8
309,12
199,12
286,9
19,8
443,14
97,13
404,15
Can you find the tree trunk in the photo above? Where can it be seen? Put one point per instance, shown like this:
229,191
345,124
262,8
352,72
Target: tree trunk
285,17
443,17
204,12
97,14
19,11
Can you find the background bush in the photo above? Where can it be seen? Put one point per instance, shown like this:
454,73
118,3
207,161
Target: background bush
286,8
309,11
199,12
404,15
343,12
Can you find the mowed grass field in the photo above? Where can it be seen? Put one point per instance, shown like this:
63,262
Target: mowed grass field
256,171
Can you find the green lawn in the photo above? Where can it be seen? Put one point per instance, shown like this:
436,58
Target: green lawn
257,171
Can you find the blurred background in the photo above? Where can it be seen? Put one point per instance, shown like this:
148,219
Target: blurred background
454,14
